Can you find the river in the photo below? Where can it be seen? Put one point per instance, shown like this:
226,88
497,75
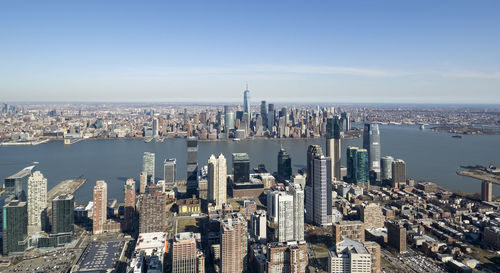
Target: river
430,156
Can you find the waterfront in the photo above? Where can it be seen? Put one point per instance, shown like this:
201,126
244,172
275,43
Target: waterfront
432,156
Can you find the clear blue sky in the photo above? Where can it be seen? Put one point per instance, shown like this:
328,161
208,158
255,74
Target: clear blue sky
327,51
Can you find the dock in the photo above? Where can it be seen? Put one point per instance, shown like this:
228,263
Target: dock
481,175
65,187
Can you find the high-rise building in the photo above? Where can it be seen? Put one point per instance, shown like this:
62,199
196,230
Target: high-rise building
362,163
351,163
398,173
321,192
148,166
285,217
143,182
371,142
192,164
386,168
349,256
241,167
62,214
100,207
155,127
346,121
246,103
129,212
184,253
258,225
374,250
290,257
312,152
152,215
169,172
297,192
396,236
486,191
217,180
270,116
372,215
228,119
354,230
15,227
16,185
231,246
333,148
37,202
263,113
284,164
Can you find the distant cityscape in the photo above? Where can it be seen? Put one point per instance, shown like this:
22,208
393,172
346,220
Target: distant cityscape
366,216
33,124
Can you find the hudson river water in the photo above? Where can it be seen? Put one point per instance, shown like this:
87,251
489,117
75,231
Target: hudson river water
431,156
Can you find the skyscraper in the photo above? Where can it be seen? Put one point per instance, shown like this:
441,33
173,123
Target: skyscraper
241,167
270,116
246,103
297,192
285,217
15,227
312,152
143,182
100,206
228,118
362,166
152,215
16,185
184,253
62,214
155,127
386,168
129,204
169,172
284,164
322,191
263,113
192,165
371,142
346,121
148,166
37,202
398,173
351,163
258,225
231,246
333,148
217,180
486,191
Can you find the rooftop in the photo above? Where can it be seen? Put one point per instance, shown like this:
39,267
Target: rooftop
100,256
22,173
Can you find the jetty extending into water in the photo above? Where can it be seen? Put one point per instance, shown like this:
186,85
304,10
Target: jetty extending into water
65,187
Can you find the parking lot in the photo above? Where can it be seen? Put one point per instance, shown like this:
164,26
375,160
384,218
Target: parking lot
55,261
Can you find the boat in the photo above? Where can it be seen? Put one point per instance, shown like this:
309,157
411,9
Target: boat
236,139
456,136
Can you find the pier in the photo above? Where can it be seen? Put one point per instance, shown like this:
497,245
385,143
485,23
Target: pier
69,141
481,175
65,187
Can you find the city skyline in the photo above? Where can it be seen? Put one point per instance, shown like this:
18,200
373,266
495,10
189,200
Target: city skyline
347,52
